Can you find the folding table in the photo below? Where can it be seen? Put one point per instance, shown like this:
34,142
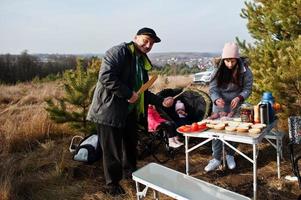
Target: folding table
226,137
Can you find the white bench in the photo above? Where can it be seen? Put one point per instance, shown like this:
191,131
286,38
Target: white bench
178,185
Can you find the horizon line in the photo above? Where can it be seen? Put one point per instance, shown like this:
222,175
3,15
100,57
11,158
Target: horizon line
163,52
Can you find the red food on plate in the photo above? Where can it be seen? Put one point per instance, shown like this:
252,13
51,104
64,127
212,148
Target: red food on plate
194,127
202,126
185,128
181,128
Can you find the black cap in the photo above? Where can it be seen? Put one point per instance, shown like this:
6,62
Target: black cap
150,32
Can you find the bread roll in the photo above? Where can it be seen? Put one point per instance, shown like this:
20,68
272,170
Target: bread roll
237,119
246,124
219,126
230,128
215,122
233,123
254,130
204,121
260,126
210,125
242,129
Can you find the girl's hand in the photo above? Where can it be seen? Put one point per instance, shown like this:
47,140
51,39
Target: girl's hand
220,102
223,114
235,102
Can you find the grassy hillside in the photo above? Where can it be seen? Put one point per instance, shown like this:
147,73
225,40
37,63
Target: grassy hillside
36,164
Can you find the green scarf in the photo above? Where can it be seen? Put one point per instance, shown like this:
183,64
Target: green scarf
141,63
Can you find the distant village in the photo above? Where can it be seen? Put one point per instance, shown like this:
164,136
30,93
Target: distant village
201,60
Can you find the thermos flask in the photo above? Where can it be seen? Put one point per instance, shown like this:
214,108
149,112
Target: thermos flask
266,110
264,113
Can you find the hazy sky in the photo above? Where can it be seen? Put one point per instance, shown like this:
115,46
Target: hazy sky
93,26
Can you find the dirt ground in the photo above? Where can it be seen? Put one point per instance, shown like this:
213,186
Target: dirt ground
240,180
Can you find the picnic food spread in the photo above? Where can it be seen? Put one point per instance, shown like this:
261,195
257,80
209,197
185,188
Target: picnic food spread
261,114
231,125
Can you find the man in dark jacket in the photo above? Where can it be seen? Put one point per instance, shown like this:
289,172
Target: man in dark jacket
117,108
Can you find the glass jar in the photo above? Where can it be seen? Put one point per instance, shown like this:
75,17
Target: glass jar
246,113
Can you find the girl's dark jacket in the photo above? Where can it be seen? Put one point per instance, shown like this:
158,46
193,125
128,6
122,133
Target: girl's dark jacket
114,87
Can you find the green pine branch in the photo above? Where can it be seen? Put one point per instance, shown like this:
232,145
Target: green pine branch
79,85
275,53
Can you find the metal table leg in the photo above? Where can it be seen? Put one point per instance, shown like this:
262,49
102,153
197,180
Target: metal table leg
187,154
254,172
156,195
137,190
278,156
224,156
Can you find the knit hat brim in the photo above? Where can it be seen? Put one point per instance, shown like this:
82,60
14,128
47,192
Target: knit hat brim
230,50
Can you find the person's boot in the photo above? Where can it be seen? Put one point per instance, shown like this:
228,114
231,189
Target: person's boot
127,173
178,141
212,165
230,162
114,189
172,143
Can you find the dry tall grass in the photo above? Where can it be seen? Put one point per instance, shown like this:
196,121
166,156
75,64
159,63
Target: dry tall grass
171,82
24,125
23,119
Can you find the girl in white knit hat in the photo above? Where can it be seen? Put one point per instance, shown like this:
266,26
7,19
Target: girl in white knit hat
180,109
182,118
230,86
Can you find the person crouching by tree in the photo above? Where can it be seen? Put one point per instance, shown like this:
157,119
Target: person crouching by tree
117,109
231,85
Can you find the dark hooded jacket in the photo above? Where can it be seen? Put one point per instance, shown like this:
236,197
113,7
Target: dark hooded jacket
115,86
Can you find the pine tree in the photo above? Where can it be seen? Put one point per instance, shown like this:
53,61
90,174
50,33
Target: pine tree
275,57
79,85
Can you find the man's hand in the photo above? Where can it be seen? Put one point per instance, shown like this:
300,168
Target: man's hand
220,102
168,102
133,98
235,102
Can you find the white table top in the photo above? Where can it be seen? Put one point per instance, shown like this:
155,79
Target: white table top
181,186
